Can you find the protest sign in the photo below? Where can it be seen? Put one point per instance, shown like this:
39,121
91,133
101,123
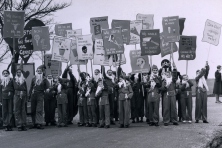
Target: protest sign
75,61
211,32
113,41
135,27
125,27
150,42
147,19
61,49
99,55
24,45
118,59
171,29
40,38
139,64
181,23
97,24
53,67
166,47
187,47
84,47
60,29
28,73
13,24
73,33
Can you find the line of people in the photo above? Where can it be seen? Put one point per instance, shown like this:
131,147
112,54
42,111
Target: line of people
105,98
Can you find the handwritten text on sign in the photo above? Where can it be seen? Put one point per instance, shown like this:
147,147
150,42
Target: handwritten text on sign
211,32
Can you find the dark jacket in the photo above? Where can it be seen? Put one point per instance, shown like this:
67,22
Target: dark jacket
217,83
186,92
38,88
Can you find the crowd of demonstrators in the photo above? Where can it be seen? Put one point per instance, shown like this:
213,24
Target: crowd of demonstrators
106,98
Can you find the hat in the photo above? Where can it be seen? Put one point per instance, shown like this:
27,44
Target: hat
154,67
6,71
42,67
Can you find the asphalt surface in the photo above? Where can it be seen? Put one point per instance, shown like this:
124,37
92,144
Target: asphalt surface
139,135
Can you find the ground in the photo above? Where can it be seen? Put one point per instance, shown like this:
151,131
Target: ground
139,135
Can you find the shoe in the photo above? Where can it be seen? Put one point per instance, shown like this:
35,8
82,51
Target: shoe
166,124
175,123
190,121
65,125
10,128
217,102
220,101
101,126
47,124
59,126
107,126
184,121
197,121
133,121
19,128
33,126
121,126
53,124
151,124
69,122
141,120
24,128
81,124
156,124
126,126
205,121
147,121
88,125
94,125
113,123
180,119
39,126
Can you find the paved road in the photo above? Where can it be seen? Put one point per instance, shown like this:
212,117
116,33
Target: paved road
139,135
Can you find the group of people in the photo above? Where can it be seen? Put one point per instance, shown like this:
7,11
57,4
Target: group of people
105,97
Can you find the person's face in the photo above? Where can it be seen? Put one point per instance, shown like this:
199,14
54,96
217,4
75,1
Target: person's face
39,71
168,75
5,74
110,73
197,73
18,73
96,72
155,71
219,69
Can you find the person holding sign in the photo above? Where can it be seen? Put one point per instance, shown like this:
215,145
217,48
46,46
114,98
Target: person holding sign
169,99
218,84
125,94
38,87
20,87
7,99
71,94
201,96
153,96
186,99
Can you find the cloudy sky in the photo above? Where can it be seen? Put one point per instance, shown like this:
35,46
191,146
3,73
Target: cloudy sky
195,12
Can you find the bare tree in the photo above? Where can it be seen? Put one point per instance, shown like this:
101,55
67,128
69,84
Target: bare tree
39,9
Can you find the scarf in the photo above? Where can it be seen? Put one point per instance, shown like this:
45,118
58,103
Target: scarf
20,80
202,83
112,78
96,77
122,83
5,81
59,88
38,79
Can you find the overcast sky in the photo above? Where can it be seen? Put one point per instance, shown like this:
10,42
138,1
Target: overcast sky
195,12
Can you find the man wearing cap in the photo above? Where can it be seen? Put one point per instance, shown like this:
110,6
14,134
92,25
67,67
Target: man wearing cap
20,96
37,89
50,101
218,84
7,99
71,94
153,96
110,80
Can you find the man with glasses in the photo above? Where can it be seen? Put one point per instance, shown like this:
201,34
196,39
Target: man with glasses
38,87
20,87
7,99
